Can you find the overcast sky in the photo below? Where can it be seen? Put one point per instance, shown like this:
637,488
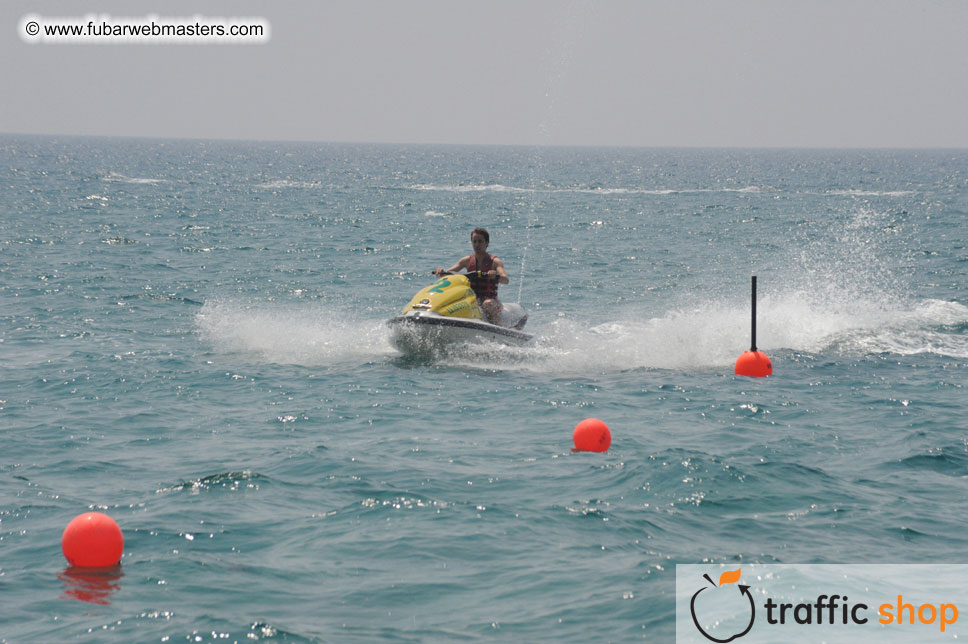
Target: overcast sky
750,73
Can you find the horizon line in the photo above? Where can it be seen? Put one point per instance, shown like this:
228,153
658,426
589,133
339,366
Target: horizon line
485,145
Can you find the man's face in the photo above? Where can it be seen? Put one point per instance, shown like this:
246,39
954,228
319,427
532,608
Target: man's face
478,242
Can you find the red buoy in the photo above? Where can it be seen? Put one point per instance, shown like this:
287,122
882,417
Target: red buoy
753,363
92,540
591,435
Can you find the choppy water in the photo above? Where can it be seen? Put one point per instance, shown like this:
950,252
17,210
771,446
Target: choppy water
192,341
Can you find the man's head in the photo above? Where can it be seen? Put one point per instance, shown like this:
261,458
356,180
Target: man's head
480,238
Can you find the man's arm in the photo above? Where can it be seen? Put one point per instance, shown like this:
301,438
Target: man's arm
502,275
462,263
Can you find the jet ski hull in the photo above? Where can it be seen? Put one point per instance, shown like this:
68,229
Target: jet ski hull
425,332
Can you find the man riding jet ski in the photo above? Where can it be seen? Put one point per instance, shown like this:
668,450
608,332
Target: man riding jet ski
493,274
461,308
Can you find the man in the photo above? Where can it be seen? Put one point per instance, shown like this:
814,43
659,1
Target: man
490,266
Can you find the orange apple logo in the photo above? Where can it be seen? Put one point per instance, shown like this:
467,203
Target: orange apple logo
728,577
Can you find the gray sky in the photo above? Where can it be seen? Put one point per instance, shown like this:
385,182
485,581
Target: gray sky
817,73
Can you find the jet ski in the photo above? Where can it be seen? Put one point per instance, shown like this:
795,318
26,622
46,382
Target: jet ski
447,313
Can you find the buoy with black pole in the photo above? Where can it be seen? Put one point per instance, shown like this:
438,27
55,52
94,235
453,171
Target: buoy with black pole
753,363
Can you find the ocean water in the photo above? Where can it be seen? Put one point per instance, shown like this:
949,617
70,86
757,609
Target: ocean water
192,341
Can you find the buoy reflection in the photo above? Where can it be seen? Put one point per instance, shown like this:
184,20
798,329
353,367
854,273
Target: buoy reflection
92,585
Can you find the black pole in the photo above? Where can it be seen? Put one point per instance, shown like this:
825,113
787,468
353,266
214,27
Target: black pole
753,347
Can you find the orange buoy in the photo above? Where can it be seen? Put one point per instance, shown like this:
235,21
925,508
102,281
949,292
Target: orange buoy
591,435
92,540
753,363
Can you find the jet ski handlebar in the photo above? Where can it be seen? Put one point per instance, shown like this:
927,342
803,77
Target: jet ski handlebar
473,275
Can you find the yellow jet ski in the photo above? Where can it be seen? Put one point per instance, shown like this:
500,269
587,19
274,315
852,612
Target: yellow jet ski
447,313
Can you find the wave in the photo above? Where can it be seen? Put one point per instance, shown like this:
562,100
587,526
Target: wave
496,187
605,191
934,327
280,184
872,193
489,187
710,335
796,321
115,177
291,333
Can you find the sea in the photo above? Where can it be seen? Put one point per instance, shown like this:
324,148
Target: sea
193,341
